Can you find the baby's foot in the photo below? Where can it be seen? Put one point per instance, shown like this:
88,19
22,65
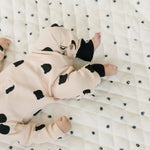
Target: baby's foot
96,40
4,43
64,124
110,69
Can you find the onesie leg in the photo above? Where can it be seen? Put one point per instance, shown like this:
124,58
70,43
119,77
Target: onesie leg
4,43
33,133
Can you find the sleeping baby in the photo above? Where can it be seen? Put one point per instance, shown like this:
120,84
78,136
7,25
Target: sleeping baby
42,77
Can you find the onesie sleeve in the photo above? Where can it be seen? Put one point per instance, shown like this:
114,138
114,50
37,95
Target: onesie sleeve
79,48
31,133
77,83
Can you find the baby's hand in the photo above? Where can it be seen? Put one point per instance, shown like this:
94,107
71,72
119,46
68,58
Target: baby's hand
96,40
64,124
4,43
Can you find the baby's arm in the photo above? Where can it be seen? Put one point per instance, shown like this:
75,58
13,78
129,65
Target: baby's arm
74,83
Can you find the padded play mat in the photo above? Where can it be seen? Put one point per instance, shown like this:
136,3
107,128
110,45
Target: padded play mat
117,115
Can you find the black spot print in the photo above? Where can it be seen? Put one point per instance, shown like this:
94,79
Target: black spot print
39,127
128,27
101,108
30,33
6,17
10,89
37,112
4,129
115,42
62,78
55,25
68,14
134,127
107,126
88,28
142,113
70,118
36,2
100,148
108,26
87,16
72,29
10,147
137,145
128,82
60,3
125,104
5,57
114,1
60,138
90,68
71,132
107,15
139,81
46,67
46,19
16,64
50,3
3,118
108,98
49,116
32,15
121,117
138,2
73,42
38,94
142,21
128,68
86,91
47,49
93,95
93,132
1,48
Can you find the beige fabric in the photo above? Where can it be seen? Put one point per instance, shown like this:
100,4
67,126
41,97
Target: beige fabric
20,81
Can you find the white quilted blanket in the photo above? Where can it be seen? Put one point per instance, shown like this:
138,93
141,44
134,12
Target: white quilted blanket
117,115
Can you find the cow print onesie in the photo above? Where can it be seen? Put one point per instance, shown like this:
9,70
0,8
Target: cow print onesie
32,83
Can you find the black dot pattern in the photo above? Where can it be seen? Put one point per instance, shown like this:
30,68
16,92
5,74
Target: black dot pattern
124,42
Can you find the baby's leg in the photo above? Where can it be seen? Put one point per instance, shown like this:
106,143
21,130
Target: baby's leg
4,43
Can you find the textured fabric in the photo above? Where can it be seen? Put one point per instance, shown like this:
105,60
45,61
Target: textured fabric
117,114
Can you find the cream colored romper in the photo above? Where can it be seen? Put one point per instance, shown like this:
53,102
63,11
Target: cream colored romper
32,83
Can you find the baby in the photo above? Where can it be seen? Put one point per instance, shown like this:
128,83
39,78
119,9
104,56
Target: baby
42,77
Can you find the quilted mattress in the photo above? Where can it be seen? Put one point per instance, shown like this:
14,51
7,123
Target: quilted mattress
117,115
